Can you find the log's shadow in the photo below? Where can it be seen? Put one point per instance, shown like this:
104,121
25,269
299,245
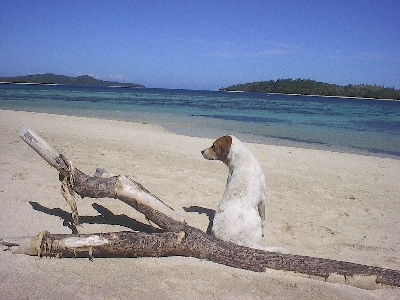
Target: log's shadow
210,213
105,217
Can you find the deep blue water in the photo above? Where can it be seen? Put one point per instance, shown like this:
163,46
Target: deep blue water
350,125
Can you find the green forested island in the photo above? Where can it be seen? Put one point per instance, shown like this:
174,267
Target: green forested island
312,87
49,78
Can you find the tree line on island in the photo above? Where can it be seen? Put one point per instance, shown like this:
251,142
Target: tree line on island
312,87
49,78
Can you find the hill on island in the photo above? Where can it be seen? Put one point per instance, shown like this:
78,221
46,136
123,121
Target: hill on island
49,78
312,87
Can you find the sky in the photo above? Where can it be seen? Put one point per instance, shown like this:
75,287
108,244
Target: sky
203,44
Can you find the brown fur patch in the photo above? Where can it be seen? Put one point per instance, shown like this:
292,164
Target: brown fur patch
221,147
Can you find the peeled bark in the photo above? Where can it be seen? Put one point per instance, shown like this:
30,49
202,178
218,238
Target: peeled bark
178,238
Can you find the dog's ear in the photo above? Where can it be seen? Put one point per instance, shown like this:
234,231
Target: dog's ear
226,142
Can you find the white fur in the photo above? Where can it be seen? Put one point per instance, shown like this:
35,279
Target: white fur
240,216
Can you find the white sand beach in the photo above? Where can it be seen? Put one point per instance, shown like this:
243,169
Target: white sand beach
319,203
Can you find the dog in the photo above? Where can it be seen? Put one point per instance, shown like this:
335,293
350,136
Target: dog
240,216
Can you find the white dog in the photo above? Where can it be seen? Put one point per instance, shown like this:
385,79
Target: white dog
240,216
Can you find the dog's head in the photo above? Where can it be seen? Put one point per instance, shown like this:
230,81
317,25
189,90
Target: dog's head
219,150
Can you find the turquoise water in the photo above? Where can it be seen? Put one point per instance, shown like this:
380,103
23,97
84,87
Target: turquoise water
350,125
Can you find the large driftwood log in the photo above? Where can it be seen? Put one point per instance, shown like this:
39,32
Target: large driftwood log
178,238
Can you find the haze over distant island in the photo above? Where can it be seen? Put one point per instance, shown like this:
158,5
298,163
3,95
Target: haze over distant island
305,87
53,79
311,87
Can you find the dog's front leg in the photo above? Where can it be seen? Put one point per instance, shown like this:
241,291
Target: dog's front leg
261,211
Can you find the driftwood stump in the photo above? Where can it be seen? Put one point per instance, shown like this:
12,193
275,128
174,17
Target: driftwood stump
177,238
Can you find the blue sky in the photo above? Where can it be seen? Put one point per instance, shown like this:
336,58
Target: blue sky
203,44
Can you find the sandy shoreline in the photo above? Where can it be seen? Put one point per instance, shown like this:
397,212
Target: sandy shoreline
319,203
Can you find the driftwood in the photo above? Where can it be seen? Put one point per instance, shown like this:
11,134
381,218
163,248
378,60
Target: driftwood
177,238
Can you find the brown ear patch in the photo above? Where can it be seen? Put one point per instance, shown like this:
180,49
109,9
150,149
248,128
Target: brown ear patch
222,146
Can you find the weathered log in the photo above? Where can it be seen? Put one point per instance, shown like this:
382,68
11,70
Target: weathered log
178,238
119,187
194,243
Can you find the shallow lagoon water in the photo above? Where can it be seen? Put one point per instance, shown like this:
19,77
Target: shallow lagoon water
369,127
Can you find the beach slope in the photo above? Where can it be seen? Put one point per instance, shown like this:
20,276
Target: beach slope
319,203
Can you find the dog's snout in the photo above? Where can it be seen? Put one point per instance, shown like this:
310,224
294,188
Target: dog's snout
205,154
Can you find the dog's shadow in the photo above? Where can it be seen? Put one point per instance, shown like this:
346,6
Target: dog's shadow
201,210
105,217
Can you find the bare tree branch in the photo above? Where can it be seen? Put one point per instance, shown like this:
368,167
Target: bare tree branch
178,238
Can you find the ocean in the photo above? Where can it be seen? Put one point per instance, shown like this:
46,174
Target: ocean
368,127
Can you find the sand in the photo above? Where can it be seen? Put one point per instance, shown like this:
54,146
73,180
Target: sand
319,203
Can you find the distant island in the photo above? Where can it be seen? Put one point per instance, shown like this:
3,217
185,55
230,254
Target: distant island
311,87
53,79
